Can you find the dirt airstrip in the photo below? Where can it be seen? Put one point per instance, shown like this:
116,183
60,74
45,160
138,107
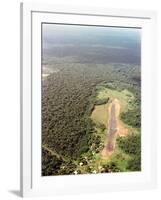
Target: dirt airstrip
115,128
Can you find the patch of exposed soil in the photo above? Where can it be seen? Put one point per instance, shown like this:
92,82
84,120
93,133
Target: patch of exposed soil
115,129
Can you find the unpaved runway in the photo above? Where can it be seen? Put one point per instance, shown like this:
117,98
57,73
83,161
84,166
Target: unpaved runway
114,128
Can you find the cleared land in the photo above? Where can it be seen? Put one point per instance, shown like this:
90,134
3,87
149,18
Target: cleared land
114,129
109,115
100,114
125,97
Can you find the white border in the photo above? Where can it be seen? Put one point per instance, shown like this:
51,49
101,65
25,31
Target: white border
32,184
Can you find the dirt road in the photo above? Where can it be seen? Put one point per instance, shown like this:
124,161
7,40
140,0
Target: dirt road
53,153
114,128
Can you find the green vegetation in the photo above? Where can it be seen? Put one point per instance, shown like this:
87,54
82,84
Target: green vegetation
49,160
132,145
127,156
132,117
125,97
102,101
75,99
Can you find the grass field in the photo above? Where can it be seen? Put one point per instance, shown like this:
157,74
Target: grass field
100,112
125,97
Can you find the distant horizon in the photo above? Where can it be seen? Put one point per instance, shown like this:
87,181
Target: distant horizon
106,43
58,30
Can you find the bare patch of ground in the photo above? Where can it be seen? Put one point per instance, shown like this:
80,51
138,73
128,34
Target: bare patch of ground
115,128
99,115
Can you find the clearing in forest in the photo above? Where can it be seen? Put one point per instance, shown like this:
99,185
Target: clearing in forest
108,114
